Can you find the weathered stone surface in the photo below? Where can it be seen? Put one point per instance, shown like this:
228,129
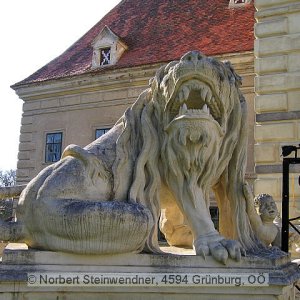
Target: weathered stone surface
271,64
272,27
271,103
266,153
71,100
12,191
50,103
293,100
18,263
276,132
32,105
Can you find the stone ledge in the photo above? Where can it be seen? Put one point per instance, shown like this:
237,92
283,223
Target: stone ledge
18,261
267,169
24,292
274,262
269,11
278,116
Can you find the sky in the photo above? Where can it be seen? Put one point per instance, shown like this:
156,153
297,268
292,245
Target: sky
32,33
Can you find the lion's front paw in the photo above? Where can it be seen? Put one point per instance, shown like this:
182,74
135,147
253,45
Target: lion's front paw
221,250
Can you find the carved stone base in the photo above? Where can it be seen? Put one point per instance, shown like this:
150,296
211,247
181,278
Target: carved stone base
18,262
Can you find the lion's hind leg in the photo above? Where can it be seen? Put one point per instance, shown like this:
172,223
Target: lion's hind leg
90,227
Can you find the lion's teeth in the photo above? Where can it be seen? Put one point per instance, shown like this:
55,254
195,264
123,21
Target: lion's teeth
205,108
183,109
204,93
186,92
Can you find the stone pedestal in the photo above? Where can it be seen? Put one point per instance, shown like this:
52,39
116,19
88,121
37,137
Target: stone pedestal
18,262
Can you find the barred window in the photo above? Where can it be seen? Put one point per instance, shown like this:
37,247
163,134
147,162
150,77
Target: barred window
104,56
238,3
53,147
100,132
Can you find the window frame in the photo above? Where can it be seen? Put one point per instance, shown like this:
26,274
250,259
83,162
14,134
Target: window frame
102,56
236,3
59,144
105,129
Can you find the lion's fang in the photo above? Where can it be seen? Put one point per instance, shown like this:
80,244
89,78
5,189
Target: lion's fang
205,109
183,109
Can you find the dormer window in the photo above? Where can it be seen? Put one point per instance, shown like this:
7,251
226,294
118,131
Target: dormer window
238,3
108,48
104,56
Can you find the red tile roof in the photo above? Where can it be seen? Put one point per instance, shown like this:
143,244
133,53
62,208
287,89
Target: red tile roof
159,31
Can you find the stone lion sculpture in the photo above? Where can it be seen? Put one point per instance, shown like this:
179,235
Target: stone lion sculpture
183,137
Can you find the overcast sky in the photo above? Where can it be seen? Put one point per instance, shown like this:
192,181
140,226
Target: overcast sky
33,32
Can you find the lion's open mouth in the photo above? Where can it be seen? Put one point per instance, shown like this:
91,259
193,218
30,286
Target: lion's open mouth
195,99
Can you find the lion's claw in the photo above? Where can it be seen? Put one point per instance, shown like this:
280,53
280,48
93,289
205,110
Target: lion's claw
221,250
218,252
234,249
202,250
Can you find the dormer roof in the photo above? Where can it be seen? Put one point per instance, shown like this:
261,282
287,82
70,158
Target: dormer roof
107,48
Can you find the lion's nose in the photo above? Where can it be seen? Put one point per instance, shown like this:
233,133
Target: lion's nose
193,57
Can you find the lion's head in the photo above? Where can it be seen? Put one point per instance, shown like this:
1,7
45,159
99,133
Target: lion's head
193,105
197,87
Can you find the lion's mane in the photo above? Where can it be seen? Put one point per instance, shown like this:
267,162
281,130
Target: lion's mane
141,147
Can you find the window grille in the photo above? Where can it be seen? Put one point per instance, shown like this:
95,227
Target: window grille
104,56
53,147
100,132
